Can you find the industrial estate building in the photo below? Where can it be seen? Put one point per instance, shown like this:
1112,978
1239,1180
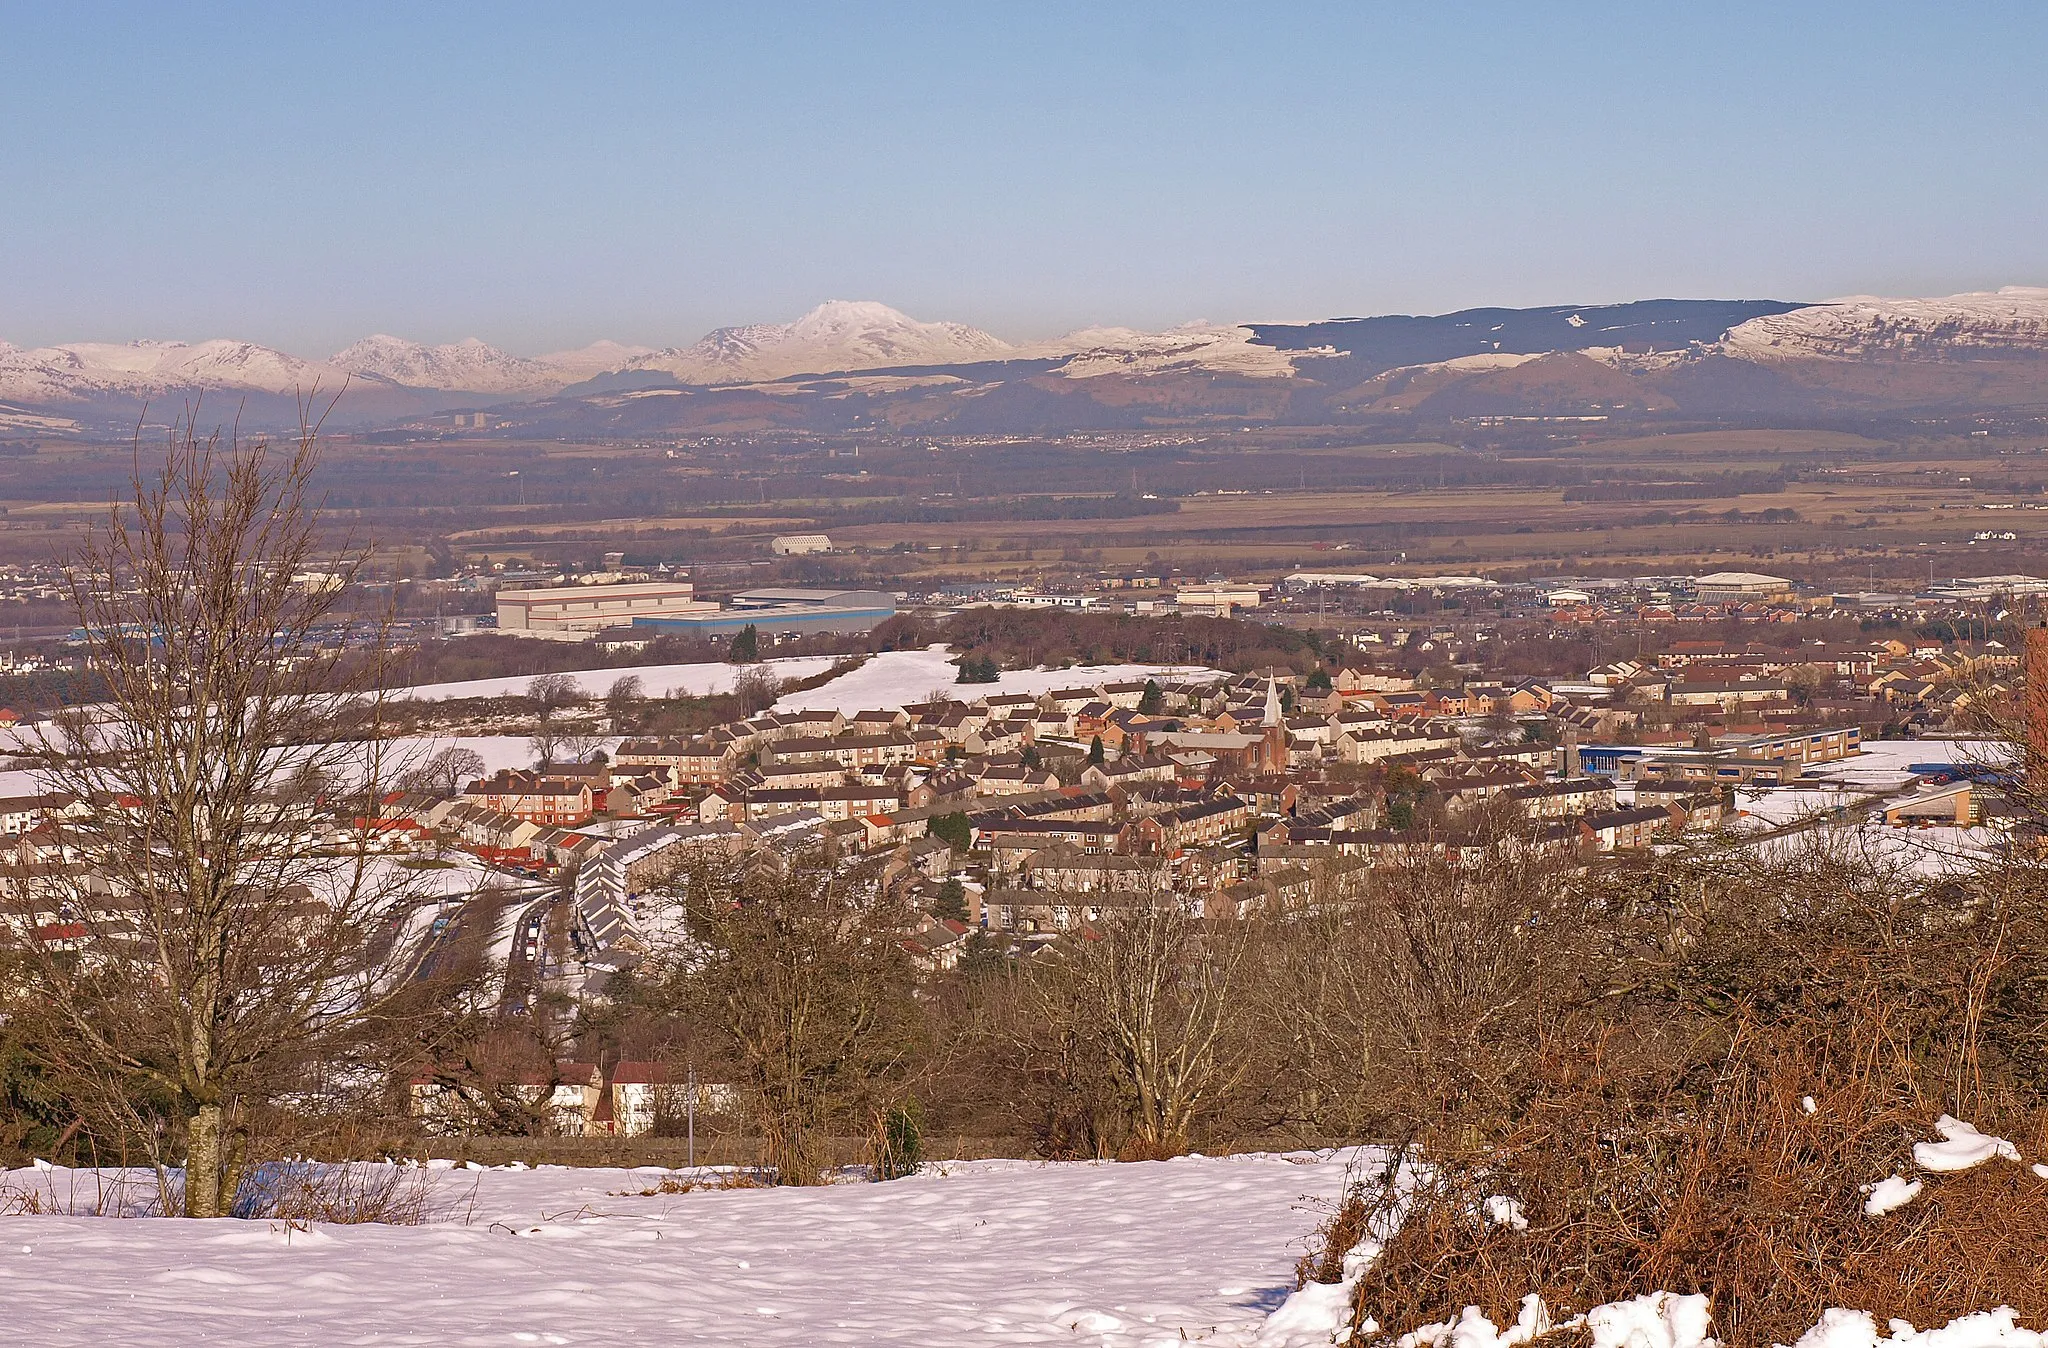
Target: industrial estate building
579,612
775,611
1742,587
576,612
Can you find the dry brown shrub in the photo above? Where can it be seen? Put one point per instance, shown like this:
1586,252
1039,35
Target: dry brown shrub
1148,1149
1713,1178
1338,1236
18,1201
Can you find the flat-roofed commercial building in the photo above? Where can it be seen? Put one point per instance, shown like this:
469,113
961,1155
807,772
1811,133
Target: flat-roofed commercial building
577,611
1217,599
773,612
1742,587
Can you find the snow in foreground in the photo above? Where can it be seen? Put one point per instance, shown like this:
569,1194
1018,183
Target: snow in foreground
990,1252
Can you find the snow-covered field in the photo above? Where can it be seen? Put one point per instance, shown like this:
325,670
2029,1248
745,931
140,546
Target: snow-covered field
988,1252
890,679
1859,784
657,680
497,751
895,678
1195,1250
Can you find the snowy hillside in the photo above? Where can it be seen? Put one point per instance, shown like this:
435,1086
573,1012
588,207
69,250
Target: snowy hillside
469,365
695,680
837,335
987,1252
1199,346
2002,322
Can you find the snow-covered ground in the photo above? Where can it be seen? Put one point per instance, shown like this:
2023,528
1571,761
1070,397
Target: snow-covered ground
1942,851
1858,786
896,678
1885,764
1770,807
657,680
1195,1250
988,1252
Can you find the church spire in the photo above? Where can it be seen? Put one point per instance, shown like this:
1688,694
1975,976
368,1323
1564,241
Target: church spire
1272,716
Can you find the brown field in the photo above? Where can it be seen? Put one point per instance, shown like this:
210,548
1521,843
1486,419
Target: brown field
1859,503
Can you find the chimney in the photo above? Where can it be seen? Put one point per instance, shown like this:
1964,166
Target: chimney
2037,700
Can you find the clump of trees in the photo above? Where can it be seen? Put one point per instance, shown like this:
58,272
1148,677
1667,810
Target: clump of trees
551,696
979,669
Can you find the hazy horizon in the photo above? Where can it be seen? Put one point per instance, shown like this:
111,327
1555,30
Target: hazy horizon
646,174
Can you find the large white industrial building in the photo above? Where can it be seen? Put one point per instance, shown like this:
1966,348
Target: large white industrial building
574,612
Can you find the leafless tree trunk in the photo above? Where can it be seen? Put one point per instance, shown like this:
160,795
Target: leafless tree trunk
755,689
206,953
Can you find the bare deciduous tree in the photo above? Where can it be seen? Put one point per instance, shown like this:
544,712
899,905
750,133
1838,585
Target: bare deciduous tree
446,772
795,965
755,689
208,955
1157,997
622,702
551,695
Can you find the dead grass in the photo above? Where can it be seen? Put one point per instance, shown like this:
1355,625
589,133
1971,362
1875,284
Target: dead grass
698,1183
19,1201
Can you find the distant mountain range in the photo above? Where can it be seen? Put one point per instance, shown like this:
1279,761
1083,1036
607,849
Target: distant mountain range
854,363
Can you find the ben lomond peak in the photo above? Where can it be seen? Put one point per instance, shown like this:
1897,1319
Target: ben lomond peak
599,357
836,335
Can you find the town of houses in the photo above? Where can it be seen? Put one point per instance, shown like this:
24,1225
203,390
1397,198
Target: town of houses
1239,795
1009,819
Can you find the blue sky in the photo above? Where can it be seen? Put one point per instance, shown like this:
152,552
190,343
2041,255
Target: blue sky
542,176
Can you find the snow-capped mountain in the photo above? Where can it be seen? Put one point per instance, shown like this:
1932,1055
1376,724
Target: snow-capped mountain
837,335
597,358
850,335
75,372
1976,349
471,365
2010,321
80,370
